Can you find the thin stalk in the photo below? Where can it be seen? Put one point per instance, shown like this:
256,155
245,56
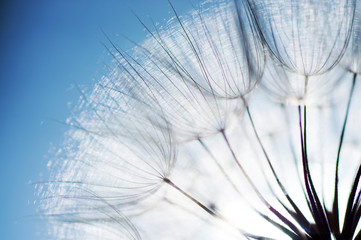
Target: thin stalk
258,193
204,219
351,215
229,179
243,170
335,197
288,232
304,147
316,207
205,208
321,146
293,151
283,189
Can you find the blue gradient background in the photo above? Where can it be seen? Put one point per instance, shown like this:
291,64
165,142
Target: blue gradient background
47,46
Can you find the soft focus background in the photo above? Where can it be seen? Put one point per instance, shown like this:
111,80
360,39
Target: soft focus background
47,48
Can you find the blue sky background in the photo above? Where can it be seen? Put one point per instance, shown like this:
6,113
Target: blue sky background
47,46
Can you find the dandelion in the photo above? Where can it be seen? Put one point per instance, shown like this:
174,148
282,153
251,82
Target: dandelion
307,37
214,49
111,170
351,61
287,87
178,142
196,66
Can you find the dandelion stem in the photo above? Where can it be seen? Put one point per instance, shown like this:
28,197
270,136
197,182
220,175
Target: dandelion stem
317,210
205,208
241,168
258,193
335,197
292,147
352,214
284,191
230,180
265,153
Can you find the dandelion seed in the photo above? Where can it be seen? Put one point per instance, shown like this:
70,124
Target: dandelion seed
288,87
113,161
197,70
307,37
352,61
214,49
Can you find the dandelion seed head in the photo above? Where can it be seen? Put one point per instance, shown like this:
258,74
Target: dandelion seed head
307,37
176,142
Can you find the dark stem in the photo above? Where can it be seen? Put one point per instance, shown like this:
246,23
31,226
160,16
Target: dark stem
284,191
286,221
352,214
317,210
205,208
285,230
208,210
335,197
292,148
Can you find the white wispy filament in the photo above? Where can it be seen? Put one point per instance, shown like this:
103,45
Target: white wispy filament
178,141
